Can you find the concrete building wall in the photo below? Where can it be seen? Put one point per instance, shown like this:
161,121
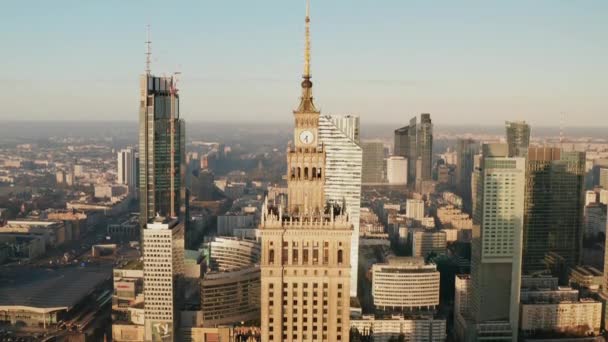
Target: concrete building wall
396,170
383,330
562,316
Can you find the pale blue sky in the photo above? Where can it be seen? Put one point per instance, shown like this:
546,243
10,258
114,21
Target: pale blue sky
469,61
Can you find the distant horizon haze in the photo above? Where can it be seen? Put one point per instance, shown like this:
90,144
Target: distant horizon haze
197,130
471,63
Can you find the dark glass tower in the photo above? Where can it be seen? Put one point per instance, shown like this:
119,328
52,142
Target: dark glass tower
425,146
161,149
402,142
415,143
553,211
466,149
412,155
518,138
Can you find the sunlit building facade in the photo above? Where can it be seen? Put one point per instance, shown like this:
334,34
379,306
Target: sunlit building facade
343,166
163,255
497,238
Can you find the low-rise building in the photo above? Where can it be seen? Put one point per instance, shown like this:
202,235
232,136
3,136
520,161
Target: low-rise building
425,242
51,232
450,216
405,284
451,234
109,191
128,302
414,208
116,207
412,329
45,297
557,309
22,246
75,222
230,289
586,277
226,224
126,230
562,317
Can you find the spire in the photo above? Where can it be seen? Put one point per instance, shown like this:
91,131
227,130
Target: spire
306,103
148,50
307,42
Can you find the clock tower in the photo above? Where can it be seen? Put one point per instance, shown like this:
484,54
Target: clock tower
305,263
306,157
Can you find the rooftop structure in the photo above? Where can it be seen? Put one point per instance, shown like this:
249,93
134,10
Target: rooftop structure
44,296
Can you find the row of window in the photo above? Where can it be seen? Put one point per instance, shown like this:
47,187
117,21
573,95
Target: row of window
303,173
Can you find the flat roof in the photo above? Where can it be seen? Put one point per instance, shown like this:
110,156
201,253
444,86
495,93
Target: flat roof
161,222
134,264
47,290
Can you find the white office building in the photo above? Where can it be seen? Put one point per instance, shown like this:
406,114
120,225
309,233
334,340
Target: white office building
604,196
414,209
163,255
496,249
344,159
127,164
603,182
590,197
396,170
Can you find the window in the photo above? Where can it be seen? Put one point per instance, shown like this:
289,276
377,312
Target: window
284,254
295,256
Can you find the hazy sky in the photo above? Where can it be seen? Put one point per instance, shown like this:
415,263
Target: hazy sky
469,61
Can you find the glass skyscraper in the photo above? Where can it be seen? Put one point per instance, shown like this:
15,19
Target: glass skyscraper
415,143
402,142
412,155
518,138
424,146
161,150
553,214
373,162
466,149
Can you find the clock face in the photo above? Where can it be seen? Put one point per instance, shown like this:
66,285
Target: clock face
306,137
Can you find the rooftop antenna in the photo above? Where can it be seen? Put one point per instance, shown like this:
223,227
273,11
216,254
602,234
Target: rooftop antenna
148,49
307,42
561,130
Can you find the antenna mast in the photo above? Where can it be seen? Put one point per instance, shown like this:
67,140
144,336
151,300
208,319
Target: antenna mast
561,131
148,50
307,42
